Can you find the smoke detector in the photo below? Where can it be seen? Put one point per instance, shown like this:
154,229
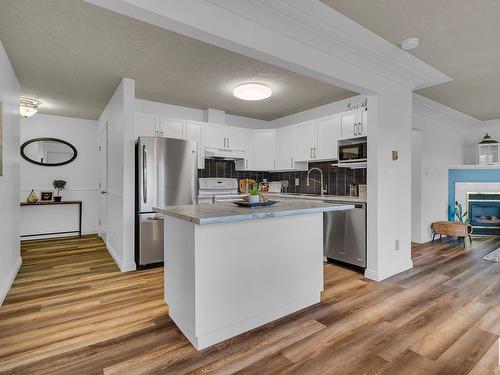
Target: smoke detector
409,43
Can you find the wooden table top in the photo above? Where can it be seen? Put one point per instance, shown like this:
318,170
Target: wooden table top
48,203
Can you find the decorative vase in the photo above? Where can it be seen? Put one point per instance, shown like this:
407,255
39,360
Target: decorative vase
32,197
57,198
254,198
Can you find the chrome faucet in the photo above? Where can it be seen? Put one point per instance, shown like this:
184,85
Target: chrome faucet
323,190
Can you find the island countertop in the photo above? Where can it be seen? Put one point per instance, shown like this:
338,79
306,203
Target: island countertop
224,212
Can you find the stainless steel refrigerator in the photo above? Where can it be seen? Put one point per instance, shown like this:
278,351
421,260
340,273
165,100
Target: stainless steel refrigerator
166,175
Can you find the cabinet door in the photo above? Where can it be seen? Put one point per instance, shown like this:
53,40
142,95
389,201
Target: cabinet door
264,153
238,138
215,136
327,133
362,122
285,144
305,141
172,128
348,123
145,125
194,132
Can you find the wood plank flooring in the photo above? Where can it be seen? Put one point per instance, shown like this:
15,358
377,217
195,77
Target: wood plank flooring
70,311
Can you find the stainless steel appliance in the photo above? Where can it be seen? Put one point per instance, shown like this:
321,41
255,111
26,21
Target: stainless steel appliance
213,190
344,235
166,175
353,153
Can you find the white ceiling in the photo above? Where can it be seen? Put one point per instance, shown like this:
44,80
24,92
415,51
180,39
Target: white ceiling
71,55
461,38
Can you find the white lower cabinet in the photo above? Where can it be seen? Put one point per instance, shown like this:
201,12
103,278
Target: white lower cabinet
264,150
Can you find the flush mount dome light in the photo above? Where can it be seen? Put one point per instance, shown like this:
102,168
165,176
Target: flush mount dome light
252,91
28,106
409,43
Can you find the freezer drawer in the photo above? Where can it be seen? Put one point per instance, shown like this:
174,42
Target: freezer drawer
150,239
344,235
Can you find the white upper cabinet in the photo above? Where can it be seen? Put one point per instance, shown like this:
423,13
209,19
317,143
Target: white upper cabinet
285,147
215,135
305,141
327,135
172,128
145,125
238,138
194,132
353,123
264,152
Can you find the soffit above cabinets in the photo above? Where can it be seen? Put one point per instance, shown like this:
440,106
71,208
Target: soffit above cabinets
72,55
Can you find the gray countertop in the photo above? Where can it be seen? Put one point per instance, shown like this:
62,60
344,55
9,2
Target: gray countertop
224,212
336,198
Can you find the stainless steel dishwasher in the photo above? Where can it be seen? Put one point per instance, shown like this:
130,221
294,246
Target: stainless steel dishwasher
344,235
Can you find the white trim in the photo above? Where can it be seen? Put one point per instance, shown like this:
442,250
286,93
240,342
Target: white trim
28,237
376,276
333,33
10,279
118,260
475,166
422,104
277,31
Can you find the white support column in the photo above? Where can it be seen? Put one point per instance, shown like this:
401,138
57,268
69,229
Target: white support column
389,183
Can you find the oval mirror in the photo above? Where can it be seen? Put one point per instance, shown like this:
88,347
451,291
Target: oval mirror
49,152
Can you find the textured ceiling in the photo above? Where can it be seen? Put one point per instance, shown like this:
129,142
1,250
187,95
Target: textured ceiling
461,38
71,55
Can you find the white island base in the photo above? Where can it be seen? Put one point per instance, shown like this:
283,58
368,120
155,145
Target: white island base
226,278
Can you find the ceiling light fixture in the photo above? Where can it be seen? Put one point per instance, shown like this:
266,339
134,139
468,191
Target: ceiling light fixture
28,106
252,91
409,43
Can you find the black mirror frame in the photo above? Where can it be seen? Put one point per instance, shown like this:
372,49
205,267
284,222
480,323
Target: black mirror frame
23,146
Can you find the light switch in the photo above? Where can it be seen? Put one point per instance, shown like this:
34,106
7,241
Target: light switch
394,155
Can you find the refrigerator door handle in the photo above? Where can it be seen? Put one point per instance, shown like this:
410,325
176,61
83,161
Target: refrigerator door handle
144,175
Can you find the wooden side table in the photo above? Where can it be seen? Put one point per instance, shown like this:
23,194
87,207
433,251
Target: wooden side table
52,203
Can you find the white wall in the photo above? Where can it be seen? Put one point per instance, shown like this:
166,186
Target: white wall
10,257
444,134
82,176
186,113
314,113
119,229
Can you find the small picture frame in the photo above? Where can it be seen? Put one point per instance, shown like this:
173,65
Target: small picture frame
46,196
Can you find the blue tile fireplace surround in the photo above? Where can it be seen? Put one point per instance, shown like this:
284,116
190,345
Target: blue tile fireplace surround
483,208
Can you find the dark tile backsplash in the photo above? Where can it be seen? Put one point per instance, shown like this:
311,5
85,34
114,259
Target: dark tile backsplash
337,180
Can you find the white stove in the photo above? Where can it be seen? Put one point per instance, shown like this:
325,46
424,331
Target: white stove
213,190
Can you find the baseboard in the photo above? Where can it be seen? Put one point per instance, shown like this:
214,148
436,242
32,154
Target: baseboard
377,276
10,279
115,256
46,237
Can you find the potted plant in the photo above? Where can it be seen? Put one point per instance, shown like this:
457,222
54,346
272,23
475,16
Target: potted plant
460,215
254,191
59,185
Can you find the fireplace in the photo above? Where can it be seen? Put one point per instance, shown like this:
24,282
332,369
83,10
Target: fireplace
484,212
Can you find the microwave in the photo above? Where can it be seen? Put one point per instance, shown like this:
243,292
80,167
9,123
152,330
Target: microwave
354,150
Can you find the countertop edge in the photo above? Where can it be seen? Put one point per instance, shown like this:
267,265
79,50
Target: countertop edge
255,215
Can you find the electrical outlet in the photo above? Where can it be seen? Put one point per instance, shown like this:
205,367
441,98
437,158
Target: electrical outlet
396,245
297,182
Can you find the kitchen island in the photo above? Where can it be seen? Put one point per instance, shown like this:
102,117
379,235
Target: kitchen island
230,269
